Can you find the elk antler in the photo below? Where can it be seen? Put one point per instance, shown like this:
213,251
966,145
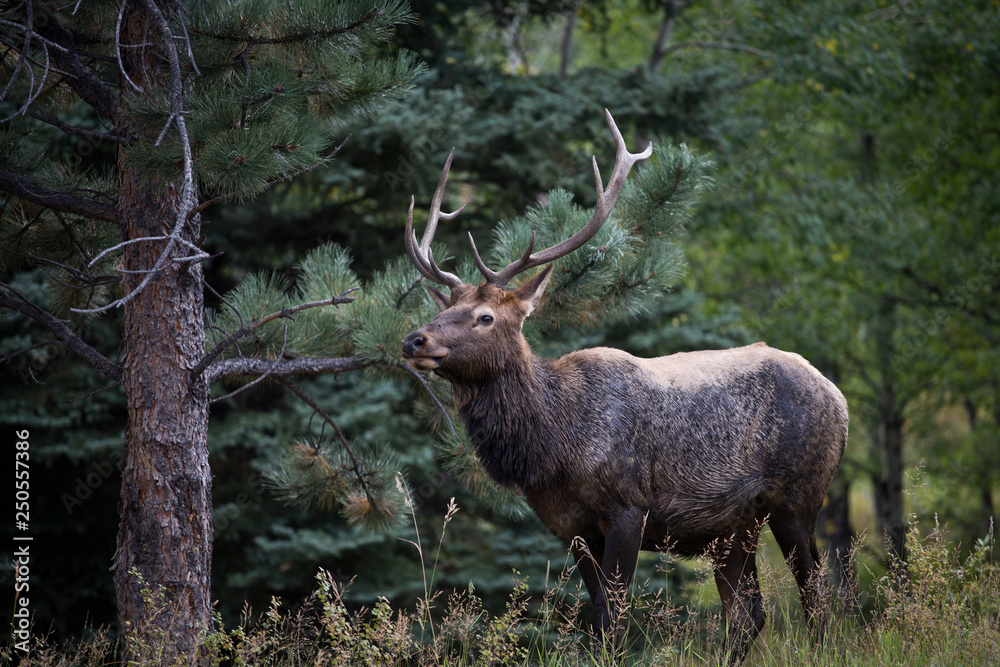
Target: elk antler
421,254
624,161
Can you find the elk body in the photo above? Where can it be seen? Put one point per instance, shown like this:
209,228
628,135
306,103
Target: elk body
692,452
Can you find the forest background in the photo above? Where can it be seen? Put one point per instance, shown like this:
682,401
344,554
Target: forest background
853,217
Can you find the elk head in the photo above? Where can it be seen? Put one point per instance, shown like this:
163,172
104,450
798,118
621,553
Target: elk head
477,333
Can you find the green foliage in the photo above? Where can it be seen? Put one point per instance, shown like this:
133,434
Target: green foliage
358,641
462,463
276,84
391,308
943,600
261,104
323,475
324,273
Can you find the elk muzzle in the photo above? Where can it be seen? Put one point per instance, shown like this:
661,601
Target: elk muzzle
420,351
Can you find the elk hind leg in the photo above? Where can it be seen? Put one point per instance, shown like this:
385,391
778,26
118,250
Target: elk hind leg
739,589
798,545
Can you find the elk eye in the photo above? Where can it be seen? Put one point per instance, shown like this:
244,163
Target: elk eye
486,319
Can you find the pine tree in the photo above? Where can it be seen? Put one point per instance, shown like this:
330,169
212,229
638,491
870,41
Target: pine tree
192,105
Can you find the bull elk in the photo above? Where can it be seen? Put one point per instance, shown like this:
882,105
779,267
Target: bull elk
690,452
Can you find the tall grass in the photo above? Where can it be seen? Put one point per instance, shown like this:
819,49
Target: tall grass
939,608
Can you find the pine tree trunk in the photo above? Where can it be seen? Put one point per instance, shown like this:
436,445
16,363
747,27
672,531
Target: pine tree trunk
163,559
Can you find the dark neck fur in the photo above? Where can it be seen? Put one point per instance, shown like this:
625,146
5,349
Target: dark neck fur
513,421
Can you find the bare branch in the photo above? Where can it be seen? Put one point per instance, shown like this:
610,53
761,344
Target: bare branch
725,46
187,42
246,330
23,55
223,299
25,188
247,366
32,93
73,129
11,298
200,256
308,400
187,186
123,244
88,279
118,49
90,393
10,356
150,273
422,379
166,128
284,345
81,79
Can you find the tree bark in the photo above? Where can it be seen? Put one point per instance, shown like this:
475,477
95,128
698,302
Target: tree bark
567,41
162,564
834,526
985,490
670,10
888,437
835,530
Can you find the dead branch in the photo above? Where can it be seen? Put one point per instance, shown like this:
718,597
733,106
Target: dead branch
11,298
187,183
249,366
263,376
246,330
356,466
28,190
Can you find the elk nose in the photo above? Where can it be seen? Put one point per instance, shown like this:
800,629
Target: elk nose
412,343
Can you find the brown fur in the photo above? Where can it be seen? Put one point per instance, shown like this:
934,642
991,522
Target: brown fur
690,452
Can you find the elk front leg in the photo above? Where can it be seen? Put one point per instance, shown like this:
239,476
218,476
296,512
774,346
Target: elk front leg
607,570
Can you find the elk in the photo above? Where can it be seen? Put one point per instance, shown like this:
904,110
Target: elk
691,452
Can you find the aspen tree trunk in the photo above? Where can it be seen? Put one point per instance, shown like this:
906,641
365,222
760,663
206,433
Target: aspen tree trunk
835,529
888,437
165,536
887,430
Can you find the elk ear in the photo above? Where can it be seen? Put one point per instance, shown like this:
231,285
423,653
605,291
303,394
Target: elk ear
443,302
530,293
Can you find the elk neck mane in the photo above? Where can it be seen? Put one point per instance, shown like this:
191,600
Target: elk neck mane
513,420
